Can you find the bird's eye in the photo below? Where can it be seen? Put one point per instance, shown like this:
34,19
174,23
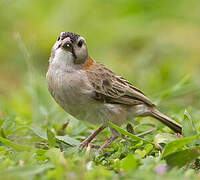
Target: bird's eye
80,43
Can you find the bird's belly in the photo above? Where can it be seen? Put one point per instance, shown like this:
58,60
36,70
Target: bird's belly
97,113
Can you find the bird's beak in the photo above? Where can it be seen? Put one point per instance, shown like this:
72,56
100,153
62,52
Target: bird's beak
66,43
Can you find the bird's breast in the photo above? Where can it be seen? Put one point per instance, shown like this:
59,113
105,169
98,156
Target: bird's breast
70,90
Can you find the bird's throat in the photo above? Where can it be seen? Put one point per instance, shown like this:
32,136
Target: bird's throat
63,58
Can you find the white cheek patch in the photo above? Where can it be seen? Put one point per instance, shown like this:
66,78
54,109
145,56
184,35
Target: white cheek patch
63,57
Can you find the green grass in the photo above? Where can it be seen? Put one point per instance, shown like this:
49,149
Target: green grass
154,44
41,148
35,144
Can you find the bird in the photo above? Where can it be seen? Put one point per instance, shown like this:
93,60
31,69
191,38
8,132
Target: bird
89,91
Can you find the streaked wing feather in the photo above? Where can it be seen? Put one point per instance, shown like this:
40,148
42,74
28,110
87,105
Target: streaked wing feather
114,89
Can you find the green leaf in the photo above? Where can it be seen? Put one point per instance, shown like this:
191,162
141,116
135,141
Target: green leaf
24,171
8,127
56,157
35,130
14,146
133,137
181,158
161,139
129,162
39,133
189,128
148,148
71,150
68,140
51,138
177,144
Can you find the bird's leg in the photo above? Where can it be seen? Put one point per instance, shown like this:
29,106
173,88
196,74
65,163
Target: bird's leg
91,137
113,137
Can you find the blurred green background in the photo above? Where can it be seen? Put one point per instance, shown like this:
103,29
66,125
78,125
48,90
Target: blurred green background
153,44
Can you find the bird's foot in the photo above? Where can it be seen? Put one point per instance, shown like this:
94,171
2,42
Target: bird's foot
179,135
84,144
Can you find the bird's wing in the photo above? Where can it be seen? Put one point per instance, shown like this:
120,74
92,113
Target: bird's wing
111,88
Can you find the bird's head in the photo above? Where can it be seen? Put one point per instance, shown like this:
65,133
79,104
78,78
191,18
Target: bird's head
69,49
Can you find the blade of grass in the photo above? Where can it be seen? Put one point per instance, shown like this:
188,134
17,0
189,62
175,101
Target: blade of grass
68,140
14,146
189,128
51,138
146,132
133,137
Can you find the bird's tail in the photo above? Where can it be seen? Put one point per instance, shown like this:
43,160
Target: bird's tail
166,120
